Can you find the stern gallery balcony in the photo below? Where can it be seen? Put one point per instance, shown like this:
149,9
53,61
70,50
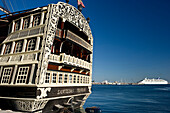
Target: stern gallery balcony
70,60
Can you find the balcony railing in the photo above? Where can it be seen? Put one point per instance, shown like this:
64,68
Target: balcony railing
70,60
73,37
18,58
54,58
26,32
71,79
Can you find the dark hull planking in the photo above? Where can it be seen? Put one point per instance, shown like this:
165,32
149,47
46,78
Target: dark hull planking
19,98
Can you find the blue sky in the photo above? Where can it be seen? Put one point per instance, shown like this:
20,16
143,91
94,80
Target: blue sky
131,37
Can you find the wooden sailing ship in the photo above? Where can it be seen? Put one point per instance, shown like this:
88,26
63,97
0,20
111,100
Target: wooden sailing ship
45,58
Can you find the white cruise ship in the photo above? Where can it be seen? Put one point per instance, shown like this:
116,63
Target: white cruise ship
153,81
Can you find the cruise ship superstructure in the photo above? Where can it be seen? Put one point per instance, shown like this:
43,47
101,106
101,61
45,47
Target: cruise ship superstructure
153,81
46,58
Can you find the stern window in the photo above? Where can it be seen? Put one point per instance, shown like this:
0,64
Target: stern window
60,79
65,78
74,81
81,79
36,20
22,75
26,23
31,45
17,25
54,77
47,78
6,75
84,79
8,48
18,47
78,79
70,79
88,80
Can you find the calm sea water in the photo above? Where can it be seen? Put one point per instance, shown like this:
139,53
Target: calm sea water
130,98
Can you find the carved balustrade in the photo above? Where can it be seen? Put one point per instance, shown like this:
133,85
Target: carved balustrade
70,60
18,58
75,38
54,58
26,32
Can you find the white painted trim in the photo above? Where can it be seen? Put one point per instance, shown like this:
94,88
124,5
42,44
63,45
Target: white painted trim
14,73
1,71
63,19
31,21
13,25
24,45
61,45
12,47
3,48
31,74
82,83
29,28
19,63
42,18
22,53
37,43
27,37
21,23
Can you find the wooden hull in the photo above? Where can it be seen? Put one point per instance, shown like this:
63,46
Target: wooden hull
45,98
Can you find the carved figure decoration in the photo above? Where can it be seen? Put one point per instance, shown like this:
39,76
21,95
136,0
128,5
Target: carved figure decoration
43,92
68,13
28,105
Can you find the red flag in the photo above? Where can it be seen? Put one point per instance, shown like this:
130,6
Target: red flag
80,2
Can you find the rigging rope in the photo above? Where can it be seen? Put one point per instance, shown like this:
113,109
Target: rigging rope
15,4
5,5
23,4
11,5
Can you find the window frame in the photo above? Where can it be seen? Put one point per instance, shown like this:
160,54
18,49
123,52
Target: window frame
22,75
35,20
28,19
74,79
66,78
49,76
4,76
17,23
60,80
81,79
78,79
70,79
16,46
28,43
8,46
54,81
